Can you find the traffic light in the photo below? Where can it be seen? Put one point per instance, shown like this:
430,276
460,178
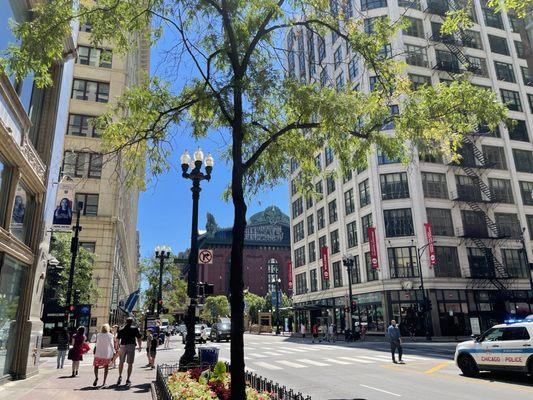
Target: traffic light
160,302
77,295
72,308
354,305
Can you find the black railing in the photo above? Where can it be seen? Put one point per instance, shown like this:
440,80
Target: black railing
257,382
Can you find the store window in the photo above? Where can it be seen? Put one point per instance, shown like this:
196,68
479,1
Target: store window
22,216
12,278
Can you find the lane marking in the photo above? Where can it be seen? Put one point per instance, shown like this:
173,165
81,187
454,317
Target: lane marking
272,353
332,360
285,351
438,367
267,365
312,362
291,364
257,355
356,360
376,358
380,390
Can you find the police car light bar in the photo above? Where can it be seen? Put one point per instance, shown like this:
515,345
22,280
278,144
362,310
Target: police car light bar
529,318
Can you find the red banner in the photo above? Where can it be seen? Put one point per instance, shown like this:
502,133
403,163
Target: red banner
325,262
373,247
431,248
289,273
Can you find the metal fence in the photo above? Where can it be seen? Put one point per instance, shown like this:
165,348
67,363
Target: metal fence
255,381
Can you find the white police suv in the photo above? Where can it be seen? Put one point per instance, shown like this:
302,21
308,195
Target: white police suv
507,347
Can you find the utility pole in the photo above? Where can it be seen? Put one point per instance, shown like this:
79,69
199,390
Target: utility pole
349,262
74,252
278,281
425,298
162,253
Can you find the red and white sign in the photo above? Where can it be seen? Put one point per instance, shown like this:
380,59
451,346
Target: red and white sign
373,247
325,262
289,273
431,248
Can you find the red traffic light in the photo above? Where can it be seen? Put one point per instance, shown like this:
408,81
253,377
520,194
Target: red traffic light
161,302
71,308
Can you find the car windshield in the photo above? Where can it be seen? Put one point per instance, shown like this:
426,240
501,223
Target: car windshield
224,326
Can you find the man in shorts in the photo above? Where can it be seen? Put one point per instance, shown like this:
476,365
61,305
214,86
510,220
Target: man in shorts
127,336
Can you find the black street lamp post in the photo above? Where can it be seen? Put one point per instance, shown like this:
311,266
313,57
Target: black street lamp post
74,244
425,299
162,253
278,282
196,176
349,262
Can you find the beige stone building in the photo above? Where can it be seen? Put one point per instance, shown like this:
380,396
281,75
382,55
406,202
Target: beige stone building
109,215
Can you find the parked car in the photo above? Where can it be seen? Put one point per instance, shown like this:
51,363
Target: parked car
197,331
220,331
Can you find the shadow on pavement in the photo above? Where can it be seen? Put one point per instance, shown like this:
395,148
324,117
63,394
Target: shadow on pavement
506,377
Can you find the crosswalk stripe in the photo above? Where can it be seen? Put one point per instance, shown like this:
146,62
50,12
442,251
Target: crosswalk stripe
291,364
356,360
285,351
375,358
257,355
267,365
312,362
272,353
334,361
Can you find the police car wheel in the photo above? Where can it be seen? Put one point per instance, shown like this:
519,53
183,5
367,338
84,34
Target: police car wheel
467,365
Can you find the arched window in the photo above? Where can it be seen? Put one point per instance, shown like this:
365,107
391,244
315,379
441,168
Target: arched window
272,274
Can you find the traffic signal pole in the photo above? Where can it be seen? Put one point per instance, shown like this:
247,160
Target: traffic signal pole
74,252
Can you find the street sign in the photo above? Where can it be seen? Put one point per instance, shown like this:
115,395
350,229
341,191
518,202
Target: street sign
205,256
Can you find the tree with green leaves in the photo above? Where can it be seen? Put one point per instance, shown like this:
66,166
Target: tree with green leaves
255,304
239,89
214,308
83,270
284,306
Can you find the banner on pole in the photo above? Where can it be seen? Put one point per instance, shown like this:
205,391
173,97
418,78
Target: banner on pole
289,273
325,262
373,247
62,220
431,248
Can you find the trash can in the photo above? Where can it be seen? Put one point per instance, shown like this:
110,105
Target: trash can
208,355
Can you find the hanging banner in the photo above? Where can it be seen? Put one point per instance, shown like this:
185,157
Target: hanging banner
373,247
325,262
431,248
289,273
64,205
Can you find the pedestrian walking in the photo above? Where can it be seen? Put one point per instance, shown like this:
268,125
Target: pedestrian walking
203,335
116,344
77,350
314,332
127,336
62,347
323,331
94,335
151,347
167,338
395,339
302,331
104,350
331,333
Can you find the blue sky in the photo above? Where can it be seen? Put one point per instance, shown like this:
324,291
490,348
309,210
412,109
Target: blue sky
165,207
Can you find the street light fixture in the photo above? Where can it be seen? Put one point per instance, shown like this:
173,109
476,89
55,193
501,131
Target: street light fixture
425,299
278,283
196,176
349,261
162,253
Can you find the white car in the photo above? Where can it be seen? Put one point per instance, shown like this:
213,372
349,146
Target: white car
504,347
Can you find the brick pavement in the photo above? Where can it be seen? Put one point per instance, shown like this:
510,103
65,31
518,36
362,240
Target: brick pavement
56,384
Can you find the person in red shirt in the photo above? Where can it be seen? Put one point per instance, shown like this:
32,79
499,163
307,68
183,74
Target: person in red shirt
314,331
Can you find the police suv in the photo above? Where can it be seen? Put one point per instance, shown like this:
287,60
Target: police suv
505,347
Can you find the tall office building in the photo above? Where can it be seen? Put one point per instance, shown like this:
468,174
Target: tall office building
109,214
478,272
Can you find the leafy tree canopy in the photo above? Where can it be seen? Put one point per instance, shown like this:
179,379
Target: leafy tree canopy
214,308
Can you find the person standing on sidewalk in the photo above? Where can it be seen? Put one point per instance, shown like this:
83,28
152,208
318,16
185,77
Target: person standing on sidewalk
114,331
127,336
302,331
62,347
395,339
78,349
331,333
167,338
314,332
104,351
151,347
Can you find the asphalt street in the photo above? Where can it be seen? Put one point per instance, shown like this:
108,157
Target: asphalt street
341,371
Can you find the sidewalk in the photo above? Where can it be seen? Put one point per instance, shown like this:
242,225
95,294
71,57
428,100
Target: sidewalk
52,383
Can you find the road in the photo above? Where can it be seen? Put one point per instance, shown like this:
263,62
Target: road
341,371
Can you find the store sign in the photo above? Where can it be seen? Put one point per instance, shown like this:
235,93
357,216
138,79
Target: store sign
373,247
264,233
325,262
431,248
64,206
289,273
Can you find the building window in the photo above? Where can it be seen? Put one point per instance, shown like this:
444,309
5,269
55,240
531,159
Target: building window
299,233
353,68
310,224
494,157
515,263
89,246
398,222
337,57
479,66
297,207
402,262
371,273
318,162
321,49
492,18
319,188
337,274
356,274
383,159
86,27
474,224
447,262
364,193
371,4
90,203
321,221
467,189
22,215
394,186
529,219
472,39
314,280
504,72
415,28
351,233
334,240
414,4
272,275
523,160
508,225
94,57
82,165
434,185
90,90
299,257
501,191
447,61
332,211
330,184
511,99
498,45
324,283
349,203
527,76
530,101
308,203
294,165
301,283
526,189
418,81
339,82
441,221
328,152
518,131
347,176
416,55
312,251
366,222
82,125
520,51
